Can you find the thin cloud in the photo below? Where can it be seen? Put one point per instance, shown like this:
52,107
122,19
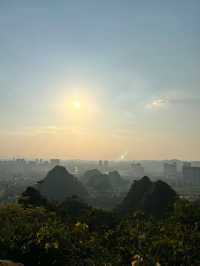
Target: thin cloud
157,104
165,102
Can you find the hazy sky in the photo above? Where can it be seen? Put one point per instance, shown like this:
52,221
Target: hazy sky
94,79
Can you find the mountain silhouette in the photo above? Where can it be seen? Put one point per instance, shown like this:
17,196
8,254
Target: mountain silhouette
118,183
153,198
60,184
111,182
97,181
90,174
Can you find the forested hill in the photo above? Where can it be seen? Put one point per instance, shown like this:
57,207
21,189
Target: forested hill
59,184
153,198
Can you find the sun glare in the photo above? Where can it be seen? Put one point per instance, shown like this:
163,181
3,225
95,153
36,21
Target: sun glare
76,105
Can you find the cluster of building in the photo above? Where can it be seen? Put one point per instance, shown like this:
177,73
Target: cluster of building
189,175
24,162
22,166
125,168
104,165
183,172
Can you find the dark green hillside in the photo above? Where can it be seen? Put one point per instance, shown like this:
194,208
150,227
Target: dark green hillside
152,198
59,184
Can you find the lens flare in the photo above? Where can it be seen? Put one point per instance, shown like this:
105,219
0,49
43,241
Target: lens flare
77,105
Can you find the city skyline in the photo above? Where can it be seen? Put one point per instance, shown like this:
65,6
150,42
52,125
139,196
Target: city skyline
100,80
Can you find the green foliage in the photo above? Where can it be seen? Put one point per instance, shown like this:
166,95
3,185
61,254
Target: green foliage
32,236
37,236
72,209
32,197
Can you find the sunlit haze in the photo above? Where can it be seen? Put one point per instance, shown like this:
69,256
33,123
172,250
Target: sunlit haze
77,105
94,80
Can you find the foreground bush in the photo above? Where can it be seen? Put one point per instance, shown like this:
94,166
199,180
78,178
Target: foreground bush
37,236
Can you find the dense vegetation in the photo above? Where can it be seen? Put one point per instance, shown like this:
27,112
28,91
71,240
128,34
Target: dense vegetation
49,235
151,226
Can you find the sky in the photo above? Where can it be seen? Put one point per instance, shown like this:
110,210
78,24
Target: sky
105,79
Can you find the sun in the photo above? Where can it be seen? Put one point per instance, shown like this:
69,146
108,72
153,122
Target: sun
76,105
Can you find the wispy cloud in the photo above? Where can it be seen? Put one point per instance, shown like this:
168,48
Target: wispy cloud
157,104
173,100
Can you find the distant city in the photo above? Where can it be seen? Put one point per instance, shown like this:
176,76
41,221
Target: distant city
17,174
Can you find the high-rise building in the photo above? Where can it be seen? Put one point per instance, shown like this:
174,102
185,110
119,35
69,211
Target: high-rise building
170,170
191,174
187,164
100,163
